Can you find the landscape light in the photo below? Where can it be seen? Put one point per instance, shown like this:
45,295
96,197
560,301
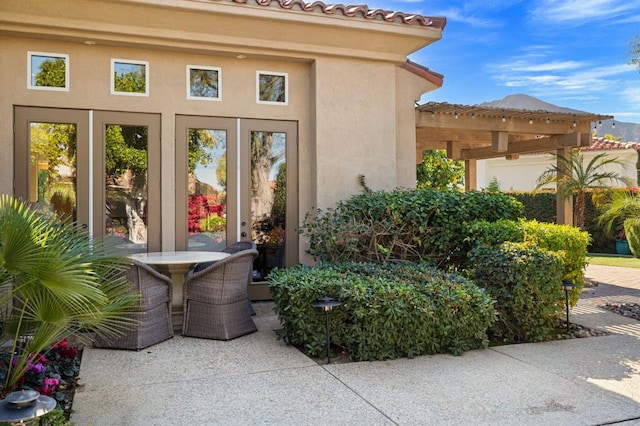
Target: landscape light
567,286
327,303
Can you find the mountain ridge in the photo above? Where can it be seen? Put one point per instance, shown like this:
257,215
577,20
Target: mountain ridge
629,132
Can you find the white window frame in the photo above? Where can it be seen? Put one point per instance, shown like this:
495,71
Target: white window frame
206,68
286,87
115,61
30,86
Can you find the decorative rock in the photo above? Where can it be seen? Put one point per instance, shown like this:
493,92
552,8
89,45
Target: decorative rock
629,310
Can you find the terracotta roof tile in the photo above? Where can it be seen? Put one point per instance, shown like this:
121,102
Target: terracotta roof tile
353,11
602,144
424,72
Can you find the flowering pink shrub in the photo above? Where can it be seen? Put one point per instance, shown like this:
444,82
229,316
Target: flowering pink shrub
201,207
46,374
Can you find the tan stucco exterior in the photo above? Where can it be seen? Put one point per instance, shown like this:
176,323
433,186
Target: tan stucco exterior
351,99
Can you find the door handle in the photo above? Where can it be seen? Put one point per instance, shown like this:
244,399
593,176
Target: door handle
243,234
244,223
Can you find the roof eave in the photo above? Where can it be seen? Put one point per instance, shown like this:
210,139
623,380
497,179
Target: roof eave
424,72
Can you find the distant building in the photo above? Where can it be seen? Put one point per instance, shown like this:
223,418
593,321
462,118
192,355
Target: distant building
521,174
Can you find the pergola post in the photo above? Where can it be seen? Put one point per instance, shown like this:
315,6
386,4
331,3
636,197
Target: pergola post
470,175
564,206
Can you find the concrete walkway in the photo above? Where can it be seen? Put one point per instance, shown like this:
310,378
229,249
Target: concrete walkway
257,380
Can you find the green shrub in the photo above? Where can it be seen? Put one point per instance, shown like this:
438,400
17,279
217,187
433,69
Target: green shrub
538,205
567,240
541,206
403,225
632,231
525,282
388,310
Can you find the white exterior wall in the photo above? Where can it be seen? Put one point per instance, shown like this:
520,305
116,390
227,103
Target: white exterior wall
521,174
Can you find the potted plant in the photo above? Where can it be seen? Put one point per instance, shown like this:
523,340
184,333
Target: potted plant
622,212
622,245
55,281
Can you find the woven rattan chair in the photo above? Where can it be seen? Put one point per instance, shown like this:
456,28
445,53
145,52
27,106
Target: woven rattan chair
152,311
239,246
231,249
215,299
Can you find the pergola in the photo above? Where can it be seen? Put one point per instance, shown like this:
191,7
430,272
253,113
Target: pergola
470,133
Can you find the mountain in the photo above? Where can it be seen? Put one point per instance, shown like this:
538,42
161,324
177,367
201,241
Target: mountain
629,132
527,102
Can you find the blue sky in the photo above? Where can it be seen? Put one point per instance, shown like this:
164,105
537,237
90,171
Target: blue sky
571,53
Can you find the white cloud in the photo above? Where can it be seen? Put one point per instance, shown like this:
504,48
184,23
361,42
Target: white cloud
581,11
631,95
559,77
465,17
549,66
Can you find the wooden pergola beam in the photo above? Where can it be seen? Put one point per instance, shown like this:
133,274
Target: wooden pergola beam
543,144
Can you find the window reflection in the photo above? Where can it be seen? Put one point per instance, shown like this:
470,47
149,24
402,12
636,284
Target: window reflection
48,71
207,189
268,200
126,186
53,168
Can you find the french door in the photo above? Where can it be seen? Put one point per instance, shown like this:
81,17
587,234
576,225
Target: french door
100,169
236,179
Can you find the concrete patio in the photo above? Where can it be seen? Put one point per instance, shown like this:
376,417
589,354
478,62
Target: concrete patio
259,380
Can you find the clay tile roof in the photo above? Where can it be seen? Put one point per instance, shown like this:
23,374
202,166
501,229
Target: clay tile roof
424,72
602,144
354,11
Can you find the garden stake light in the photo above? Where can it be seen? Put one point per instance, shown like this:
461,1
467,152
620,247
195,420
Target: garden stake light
326,303
24,405
567,286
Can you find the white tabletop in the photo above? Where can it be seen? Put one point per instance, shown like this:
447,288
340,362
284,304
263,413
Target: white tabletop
178,257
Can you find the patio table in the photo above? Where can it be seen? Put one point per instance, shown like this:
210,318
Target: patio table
176,264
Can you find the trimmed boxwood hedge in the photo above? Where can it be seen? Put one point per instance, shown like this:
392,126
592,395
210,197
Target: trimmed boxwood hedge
388,310
564,239
524,279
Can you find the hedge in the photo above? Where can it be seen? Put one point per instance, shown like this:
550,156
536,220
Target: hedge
525,282
567,240
388,310
382,226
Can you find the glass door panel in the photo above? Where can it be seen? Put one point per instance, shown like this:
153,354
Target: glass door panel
51,159
268,199
53,169
126,180
125,186
268,164
207,189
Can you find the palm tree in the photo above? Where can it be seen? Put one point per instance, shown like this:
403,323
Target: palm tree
623,210
580,178
54,282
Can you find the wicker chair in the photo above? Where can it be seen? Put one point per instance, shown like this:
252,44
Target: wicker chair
152,311
239,246
231,249
215,299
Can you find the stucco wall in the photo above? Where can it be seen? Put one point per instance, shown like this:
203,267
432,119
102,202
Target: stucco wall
355,127
521,174
409,88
